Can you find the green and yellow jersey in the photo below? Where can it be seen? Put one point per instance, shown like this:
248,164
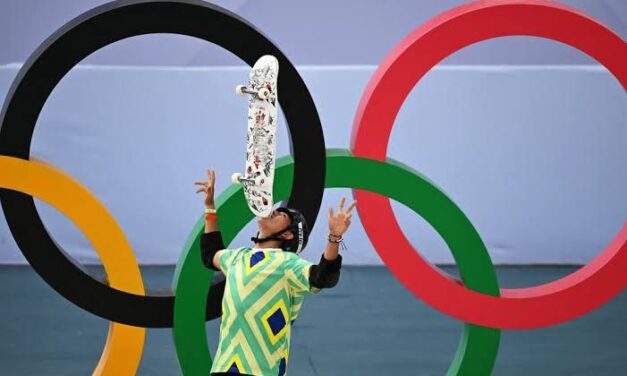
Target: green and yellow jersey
264,292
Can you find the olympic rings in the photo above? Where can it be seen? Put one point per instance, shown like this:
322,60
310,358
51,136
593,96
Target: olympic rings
124,301
553,303
478,346
72,43
124,347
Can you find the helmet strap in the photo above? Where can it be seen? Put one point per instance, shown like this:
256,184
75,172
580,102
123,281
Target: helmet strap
275,236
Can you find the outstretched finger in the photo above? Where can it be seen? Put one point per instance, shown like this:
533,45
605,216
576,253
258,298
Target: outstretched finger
341,208
203,183
330,212
213,177
200,190
351,207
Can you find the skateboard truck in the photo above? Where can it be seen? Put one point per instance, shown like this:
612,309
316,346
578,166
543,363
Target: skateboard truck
237,178
262,93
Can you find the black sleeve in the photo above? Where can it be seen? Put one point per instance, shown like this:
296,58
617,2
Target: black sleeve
210,244
326,274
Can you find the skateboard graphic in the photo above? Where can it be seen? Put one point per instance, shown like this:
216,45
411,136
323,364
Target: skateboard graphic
261,136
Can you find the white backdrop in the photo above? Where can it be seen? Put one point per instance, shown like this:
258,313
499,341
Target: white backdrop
534,155
322,32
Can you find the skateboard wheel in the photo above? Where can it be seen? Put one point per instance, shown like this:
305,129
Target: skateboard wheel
235,178
263,93
239,90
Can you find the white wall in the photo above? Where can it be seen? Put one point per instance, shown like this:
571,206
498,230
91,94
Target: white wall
534,155
322,32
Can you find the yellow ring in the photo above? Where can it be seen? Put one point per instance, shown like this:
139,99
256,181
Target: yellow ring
123,349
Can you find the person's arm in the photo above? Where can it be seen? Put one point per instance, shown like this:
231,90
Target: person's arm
327,273
211,242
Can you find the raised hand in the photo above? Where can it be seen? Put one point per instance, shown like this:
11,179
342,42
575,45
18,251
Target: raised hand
208,188
339,223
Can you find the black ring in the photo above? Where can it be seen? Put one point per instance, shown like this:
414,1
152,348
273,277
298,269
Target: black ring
72,43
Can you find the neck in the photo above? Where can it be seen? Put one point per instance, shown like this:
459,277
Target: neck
268,244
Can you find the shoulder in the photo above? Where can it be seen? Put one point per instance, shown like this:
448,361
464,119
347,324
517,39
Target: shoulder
233,252
290,257
292,260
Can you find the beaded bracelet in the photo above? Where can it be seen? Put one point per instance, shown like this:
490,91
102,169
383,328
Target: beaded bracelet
337,239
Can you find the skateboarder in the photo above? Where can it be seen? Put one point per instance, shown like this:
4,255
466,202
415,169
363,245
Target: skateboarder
266,284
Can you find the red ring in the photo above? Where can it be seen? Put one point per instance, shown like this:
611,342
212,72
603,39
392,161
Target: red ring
552,303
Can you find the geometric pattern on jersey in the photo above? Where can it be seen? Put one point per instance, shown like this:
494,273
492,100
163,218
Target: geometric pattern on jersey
236,365
264,292
275,321
282,367
240,356
255,261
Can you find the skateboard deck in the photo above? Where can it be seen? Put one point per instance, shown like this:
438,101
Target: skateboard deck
258,175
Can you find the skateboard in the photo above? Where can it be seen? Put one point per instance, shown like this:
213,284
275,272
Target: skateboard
261,136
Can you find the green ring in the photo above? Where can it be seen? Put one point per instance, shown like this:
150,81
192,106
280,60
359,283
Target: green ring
478,346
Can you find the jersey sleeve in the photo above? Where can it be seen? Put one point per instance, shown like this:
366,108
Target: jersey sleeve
297,303
226,258
297,272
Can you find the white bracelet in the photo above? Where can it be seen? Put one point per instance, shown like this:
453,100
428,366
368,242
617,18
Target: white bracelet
210,211
335,238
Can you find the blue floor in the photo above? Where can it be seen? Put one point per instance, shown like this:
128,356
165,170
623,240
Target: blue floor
368,325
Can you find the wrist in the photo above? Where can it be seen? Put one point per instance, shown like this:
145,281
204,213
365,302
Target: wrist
210,209
334,238
337,240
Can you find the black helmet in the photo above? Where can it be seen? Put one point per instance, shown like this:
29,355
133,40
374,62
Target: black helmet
299,228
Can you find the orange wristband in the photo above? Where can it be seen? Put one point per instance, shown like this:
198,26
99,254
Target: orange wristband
211,217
